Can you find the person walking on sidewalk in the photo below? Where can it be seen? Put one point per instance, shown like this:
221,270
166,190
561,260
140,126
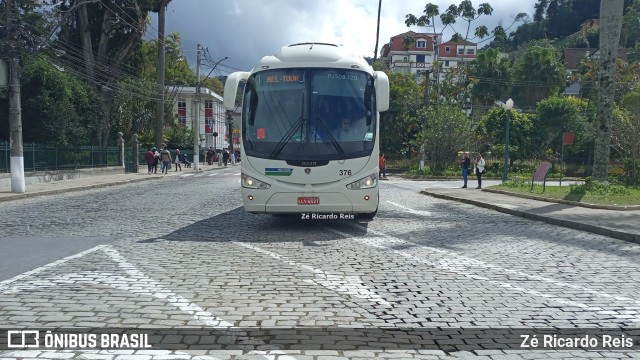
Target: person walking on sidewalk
165,157
149,159
225,156
466,168
156,159
177,160
479,163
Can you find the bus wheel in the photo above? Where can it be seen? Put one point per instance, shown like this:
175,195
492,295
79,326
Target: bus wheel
368,216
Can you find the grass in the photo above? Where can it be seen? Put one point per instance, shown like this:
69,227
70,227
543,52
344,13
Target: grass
598,194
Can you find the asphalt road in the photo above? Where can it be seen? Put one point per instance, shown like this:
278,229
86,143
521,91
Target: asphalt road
181,252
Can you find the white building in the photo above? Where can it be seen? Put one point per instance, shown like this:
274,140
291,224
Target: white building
420,53
212,114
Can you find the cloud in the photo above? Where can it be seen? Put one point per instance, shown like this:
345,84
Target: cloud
247,30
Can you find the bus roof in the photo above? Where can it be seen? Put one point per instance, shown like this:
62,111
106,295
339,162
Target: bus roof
313,54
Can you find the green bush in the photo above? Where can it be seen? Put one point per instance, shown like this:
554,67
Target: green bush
517,182
593,187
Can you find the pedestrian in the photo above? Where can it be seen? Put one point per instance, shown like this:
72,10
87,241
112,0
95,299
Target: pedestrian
466,168
479,164
382,163
165,157
177,160
209,156
225,156
148,158
156,160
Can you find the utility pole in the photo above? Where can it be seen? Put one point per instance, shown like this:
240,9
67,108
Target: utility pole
196,119
160,74
230,120
427,85
15,112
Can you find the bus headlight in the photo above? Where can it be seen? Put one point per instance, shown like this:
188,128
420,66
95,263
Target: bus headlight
251,183
368,182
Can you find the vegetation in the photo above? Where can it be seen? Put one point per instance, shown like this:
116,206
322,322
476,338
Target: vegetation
591,192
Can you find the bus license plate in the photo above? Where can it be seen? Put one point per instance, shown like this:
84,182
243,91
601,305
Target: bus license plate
308,200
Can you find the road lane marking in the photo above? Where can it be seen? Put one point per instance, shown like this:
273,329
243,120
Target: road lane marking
459,264
136,282
153,288
412,211
350,285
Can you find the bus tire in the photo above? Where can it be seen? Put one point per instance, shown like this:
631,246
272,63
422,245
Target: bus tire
368,216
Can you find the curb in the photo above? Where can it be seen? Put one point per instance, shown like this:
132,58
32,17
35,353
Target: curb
566,202
620,235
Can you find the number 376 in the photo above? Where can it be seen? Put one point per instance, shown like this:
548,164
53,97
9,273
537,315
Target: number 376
345,172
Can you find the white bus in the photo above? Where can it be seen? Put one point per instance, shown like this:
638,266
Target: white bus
310,127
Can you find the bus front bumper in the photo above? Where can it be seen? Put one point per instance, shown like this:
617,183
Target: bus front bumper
356,201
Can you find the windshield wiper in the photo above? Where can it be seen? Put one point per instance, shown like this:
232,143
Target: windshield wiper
334,142
285,139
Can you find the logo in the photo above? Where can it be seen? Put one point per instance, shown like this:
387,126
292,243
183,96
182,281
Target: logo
23,339
307,171
278,171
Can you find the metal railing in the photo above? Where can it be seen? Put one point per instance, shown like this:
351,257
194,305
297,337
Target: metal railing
40,157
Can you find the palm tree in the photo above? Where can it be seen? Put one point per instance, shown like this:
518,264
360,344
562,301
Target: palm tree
538,73
491,74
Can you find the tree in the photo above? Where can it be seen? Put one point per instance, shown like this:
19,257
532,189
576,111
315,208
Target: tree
444,135
556,115
56,106
102,37
467,13
538,73
627,135
491,76
33,25
492,128
400,125
610,27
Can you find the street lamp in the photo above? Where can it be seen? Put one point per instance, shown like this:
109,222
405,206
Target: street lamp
507,106
196,125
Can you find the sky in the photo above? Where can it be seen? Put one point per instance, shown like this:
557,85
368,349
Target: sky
247,30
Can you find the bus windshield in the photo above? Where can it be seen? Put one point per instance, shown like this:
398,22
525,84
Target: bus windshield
309,114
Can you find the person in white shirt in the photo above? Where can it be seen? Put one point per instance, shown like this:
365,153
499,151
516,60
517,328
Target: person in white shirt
479,165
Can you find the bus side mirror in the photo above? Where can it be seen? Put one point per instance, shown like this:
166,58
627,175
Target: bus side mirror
231,88
382,91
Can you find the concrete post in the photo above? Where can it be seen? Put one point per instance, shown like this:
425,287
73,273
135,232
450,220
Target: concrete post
135,147
120,150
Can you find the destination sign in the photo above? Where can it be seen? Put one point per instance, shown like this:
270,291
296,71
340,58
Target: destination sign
286,78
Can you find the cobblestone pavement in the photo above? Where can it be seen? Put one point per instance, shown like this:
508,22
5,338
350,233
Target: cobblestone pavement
184,254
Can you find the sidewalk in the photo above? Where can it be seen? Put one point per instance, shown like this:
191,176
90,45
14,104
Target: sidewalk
95,181
619,224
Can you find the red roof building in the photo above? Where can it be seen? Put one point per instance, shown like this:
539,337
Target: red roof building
413,52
